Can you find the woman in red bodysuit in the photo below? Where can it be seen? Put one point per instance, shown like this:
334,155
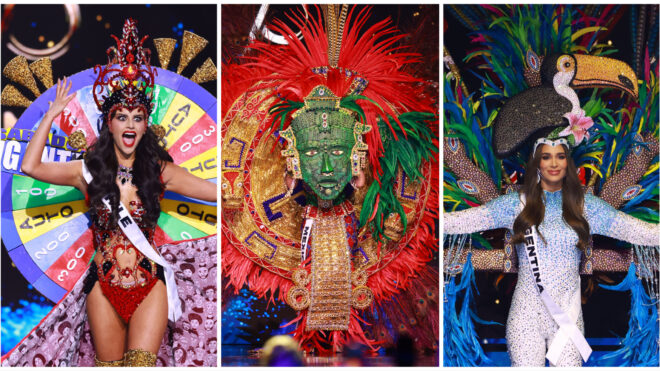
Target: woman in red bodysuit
127,302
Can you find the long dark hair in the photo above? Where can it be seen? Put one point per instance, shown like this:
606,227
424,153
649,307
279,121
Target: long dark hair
534,210
101,161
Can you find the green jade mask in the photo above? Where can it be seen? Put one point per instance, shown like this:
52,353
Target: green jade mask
325,154
325,144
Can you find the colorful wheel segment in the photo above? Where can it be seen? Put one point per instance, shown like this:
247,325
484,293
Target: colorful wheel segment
46,228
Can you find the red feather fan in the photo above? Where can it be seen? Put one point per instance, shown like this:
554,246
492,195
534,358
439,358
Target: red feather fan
406,289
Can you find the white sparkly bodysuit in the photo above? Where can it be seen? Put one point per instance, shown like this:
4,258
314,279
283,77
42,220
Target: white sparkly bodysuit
530,329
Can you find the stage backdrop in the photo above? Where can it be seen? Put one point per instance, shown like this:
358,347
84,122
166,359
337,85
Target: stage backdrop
76,39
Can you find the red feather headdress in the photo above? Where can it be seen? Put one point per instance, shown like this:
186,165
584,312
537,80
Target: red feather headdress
365,68
370,65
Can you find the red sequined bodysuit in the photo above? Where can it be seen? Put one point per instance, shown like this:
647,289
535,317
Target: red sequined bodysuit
125,275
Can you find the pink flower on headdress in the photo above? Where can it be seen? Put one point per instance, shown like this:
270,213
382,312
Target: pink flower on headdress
578,124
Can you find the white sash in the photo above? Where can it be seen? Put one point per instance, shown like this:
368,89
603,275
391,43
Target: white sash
567,327
304,238
135,235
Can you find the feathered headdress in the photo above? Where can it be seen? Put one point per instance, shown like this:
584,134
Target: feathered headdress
356,76
364,68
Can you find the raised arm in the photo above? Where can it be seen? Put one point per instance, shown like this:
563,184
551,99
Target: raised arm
178,180
498,213
607,221
61,173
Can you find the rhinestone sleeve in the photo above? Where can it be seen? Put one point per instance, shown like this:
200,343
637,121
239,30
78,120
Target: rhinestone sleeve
498,213
607,221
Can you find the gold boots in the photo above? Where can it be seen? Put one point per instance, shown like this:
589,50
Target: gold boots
139,358
117,363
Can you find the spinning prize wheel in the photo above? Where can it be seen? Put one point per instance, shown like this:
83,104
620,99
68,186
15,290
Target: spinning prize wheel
46,228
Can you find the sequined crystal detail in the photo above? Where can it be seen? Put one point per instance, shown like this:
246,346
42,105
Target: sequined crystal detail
117,363
471,179
630,192
139,358
125,174
529,326
331,296
468,187
125,275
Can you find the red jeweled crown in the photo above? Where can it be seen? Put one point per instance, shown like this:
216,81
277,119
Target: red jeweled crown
128,72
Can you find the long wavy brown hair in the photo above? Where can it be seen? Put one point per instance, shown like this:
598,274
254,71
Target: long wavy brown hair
534,210
101,160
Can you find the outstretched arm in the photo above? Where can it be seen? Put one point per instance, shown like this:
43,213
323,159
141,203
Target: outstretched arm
498,213
61,173
607,221
178,180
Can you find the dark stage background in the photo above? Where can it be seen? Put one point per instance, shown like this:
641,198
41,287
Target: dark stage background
36,25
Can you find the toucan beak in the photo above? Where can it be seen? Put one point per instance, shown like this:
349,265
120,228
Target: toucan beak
594,72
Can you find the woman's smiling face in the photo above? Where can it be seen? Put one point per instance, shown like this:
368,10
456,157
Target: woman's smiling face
553,167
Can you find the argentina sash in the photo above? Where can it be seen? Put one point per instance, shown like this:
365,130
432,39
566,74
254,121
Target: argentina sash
135,235
567,327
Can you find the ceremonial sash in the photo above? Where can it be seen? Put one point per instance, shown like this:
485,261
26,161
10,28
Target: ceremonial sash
304,238
135,235
567,327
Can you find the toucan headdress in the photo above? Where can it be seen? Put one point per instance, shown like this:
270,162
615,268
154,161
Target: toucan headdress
549,111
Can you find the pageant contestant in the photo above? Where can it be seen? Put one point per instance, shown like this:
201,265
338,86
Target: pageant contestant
551,220
130,288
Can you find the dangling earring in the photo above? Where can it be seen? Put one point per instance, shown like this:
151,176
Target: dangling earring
290,183
538,176
358,180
